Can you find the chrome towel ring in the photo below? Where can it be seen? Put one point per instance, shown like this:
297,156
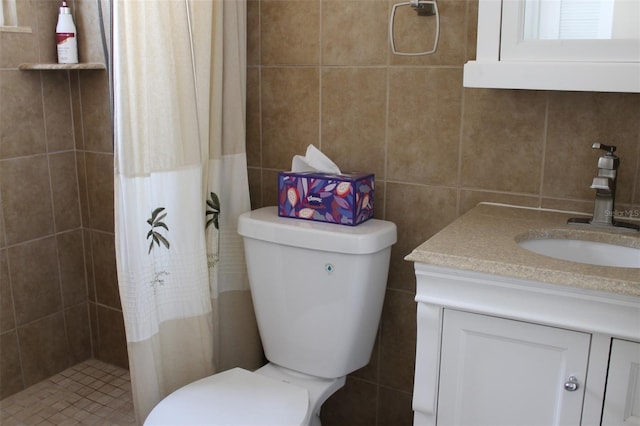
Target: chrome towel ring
423,8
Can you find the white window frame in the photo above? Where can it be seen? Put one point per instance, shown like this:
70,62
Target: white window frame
490,71
515,45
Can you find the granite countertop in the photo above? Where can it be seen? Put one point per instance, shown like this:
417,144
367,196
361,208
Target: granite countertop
485,239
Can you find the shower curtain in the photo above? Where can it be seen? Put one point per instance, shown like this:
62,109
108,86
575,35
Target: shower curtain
180,184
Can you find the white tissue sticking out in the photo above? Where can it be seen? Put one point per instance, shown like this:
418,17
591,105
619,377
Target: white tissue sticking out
313,161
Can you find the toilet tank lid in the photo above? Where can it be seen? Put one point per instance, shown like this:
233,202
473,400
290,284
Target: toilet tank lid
368,237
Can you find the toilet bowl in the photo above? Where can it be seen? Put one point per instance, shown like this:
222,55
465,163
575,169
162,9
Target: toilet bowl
317,291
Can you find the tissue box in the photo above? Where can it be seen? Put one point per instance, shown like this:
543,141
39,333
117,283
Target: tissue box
345,199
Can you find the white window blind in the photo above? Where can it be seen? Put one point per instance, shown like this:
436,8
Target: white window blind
571,19
586,19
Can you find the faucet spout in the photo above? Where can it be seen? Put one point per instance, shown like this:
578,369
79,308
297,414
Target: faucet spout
603,207
605,200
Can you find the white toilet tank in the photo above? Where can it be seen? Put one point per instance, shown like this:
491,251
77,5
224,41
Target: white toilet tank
317,289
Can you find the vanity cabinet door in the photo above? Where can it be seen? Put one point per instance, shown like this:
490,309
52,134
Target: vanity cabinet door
622,397
495,371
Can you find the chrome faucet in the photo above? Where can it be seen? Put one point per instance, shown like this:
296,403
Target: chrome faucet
605,186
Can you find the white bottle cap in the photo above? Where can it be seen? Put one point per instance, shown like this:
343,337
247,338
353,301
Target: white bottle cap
64,9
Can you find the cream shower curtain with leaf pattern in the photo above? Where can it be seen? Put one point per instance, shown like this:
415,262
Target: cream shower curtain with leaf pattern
180,184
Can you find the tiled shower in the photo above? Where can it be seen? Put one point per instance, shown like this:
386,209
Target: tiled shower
58,286
319,71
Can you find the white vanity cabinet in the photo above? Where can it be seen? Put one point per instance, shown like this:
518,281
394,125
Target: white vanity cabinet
496,350
496,371
622,398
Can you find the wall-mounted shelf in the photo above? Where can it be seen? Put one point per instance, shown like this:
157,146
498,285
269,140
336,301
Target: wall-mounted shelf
53,67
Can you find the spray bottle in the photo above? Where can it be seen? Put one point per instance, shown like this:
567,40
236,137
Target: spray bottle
66,37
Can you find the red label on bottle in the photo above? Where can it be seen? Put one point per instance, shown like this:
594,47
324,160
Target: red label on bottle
63,37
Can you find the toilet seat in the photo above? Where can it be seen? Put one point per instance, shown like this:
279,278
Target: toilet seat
233,397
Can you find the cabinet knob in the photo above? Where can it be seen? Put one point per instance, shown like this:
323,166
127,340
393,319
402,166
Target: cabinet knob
571,384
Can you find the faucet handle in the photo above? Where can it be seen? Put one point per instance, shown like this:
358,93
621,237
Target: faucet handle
609,161
609,148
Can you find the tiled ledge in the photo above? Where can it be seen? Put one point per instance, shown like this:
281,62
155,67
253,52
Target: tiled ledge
53,67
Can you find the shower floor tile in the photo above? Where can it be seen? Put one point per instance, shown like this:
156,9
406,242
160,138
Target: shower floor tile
90,393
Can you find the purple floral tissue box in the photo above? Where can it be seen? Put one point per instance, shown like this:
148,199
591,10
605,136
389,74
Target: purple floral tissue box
346,199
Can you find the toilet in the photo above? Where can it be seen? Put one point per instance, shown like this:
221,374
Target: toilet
317,292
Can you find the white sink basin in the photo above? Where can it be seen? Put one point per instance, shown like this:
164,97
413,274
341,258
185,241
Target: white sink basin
582,251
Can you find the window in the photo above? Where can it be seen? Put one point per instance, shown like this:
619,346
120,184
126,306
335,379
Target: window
589,30
580,19
506,59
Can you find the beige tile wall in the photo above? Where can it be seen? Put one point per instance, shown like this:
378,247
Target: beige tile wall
321,72
59,303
